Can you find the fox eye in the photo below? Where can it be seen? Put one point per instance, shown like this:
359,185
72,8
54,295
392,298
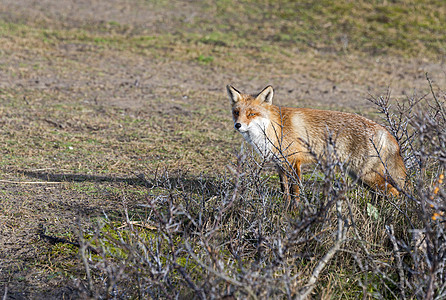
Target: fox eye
236,113
251,114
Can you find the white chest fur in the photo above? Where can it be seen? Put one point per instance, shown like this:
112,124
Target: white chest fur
256,136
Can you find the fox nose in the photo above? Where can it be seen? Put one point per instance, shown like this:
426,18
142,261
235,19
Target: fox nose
237,125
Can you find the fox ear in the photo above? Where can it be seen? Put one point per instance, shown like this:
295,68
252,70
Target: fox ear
266,95
233,94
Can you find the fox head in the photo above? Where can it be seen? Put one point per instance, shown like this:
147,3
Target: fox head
250,113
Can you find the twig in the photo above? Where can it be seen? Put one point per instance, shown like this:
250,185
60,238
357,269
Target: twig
440,106
82,249
5,295
137,223
391,234
222,276
340,238
320,266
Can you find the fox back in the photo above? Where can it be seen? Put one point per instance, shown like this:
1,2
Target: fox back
298,135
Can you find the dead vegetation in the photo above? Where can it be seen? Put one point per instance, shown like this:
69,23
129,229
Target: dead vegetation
233,237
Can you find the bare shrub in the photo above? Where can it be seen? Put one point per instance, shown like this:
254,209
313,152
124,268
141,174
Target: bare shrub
232,236
418,248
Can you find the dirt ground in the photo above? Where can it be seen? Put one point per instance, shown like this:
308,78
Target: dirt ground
81,124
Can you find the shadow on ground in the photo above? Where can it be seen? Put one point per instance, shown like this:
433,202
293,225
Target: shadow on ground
181,182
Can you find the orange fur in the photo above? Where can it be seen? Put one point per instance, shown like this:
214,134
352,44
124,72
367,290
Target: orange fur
287,134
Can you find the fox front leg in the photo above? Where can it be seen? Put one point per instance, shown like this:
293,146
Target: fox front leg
290,183
290,188
285,187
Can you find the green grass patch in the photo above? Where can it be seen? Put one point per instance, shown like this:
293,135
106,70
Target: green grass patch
405,28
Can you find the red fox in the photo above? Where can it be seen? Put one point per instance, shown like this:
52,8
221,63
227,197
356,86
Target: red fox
287,134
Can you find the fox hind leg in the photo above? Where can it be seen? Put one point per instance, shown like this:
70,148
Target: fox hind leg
296,180
285,187
377,181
